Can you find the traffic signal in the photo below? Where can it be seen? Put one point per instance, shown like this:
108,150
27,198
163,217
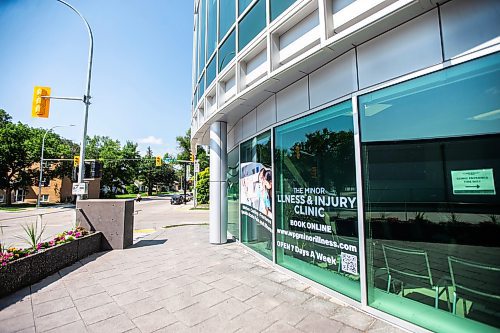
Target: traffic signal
76,161
41,104
158,161
192,157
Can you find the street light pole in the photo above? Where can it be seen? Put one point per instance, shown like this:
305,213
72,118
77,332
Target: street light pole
41,163
86,97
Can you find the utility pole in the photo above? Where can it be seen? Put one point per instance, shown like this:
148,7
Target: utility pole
86,97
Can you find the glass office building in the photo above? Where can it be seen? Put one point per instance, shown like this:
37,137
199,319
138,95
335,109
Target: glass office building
356,145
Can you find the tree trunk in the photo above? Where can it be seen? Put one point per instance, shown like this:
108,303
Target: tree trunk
8,198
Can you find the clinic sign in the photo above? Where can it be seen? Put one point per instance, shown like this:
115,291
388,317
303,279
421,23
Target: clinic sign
473,182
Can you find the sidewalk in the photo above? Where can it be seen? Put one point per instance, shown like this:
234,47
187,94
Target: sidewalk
174,281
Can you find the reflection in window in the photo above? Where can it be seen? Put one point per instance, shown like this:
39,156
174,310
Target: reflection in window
279,6
316,208
201,37
233,193
242,5
211,71
227,12
211,27
432,207
252,24
202,86
227,51
256,194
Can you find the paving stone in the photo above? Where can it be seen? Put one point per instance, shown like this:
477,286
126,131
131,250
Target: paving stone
131,297
254,321
263,302
176,327
194,314
225,284
211,298
42,297
116,324
16,309
17,323
293,296
271,288
142,307
352,317
46,308
114,280
154,321
209,277
196,288
295,284
230,308
178,302
321,306
56,319
22,295
27,330
379,326
289,313
217,324
315,323
280,327
75,327
119,288
243,292
100,313
277,277
86,291
93,301
50,283
165,292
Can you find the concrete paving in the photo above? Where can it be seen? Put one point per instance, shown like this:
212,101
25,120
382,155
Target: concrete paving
174,281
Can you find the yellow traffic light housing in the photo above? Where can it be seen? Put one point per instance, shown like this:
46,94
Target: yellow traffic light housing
158,161
41,104
192,157
76,161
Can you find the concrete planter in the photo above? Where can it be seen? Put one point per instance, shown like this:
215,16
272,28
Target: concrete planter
31,269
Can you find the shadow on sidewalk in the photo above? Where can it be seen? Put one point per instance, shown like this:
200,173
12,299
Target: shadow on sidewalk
147,242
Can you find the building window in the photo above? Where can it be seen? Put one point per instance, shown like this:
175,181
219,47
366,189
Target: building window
278,7
242,5
431,177
233,193
256,194
316,208
20,195
227,51
227,16
252,23
211,71
201,37
44,198
211,27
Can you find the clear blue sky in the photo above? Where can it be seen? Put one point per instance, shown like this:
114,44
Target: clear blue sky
141,78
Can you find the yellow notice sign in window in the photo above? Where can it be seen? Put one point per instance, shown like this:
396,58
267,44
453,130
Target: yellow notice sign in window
473,182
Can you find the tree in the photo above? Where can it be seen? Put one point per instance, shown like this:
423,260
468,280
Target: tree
152,175
20,150
119,167
203,187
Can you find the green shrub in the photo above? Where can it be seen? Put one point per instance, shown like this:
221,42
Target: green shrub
203,187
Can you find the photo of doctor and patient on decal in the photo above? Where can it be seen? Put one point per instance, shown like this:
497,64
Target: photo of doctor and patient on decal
256,187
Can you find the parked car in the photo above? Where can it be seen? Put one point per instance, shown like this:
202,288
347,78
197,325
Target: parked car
177,199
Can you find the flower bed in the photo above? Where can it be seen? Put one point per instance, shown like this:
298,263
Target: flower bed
23,267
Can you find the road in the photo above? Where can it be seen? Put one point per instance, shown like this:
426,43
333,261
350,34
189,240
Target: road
151,214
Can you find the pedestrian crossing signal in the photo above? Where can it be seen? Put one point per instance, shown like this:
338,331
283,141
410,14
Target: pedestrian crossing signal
158,161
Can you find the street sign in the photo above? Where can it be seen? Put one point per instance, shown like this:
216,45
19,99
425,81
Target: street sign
80,189
473,182
170,160
196,167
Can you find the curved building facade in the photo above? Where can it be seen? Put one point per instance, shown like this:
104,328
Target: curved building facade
355,145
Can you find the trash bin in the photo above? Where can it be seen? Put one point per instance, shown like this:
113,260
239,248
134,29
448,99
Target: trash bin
113,217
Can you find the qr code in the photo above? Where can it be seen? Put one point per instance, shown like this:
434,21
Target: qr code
349,263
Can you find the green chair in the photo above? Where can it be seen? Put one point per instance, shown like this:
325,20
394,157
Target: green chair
475,282
411,268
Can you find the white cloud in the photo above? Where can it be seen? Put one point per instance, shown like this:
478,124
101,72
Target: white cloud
151,140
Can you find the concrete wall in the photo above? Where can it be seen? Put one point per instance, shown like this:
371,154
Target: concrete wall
466,26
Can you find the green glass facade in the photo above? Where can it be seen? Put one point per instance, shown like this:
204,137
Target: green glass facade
252,23
316,209
429,158
278,7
